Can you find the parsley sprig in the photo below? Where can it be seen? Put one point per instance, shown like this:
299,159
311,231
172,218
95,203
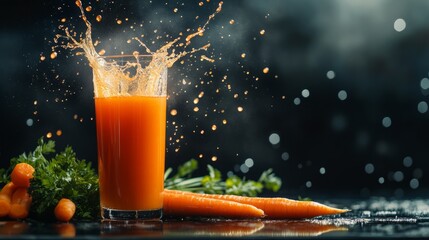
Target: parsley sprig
213,182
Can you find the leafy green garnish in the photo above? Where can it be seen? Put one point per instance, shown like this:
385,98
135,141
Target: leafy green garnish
63,175
213,183
36,159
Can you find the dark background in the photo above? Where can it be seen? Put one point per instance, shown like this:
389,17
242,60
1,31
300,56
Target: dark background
329,144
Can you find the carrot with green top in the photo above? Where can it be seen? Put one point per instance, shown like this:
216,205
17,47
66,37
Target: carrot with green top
20,204
5,198
21,174
274,208
178,203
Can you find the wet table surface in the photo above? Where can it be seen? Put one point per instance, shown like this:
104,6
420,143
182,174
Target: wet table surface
370,218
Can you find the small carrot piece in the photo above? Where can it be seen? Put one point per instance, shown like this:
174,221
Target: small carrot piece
21,174
65,210
178,203
5,198
20,204
274,208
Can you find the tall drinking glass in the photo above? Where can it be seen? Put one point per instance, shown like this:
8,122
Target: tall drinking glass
130,111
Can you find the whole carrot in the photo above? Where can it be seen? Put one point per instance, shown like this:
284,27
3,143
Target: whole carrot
177,203
20,204
274,208
21,174
64,210
5,198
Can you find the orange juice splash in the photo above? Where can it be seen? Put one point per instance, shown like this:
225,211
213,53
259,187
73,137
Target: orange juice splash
111,72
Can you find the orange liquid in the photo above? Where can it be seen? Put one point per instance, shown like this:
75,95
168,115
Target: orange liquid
131,151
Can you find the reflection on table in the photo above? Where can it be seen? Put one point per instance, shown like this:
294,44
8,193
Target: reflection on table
170,228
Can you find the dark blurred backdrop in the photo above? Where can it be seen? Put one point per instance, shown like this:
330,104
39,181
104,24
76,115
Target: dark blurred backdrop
343,108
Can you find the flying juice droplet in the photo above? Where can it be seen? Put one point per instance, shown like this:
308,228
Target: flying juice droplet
204,57
266,70
54,55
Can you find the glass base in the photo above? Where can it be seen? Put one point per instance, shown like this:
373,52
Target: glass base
124,215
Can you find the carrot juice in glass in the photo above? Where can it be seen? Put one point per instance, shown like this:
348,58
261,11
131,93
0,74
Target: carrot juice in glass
130,112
